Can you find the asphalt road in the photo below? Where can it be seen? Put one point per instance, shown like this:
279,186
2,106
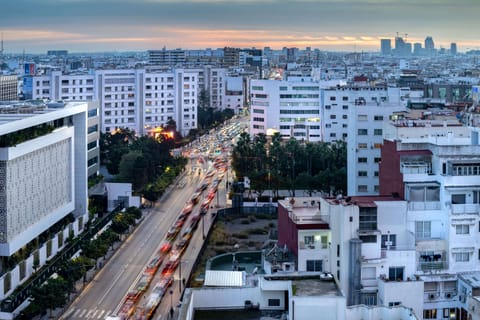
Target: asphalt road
105,292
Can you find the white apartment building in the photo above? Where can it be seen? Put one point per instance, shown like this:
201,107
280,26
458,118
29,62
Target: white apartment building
138,99
169,96
293,108
361,241
43,180
417,247
8,87
234,93
57,86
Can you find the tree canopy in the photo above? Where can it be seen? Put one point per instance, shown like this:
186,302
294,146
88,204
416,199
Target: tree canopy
290,164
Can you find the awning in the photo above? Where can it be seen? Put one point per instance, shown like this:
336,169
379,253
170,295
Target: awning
216,278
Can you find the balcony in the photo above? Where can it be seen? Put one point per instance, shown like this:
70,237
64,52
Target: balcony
423,205
466,208
433,261
416,168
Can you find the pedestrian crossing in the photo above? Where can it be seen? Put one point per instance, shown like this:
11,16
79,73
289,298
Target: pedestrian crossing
89,314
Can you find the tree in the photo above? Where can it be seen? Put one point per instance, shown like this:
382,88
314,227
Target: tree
53,294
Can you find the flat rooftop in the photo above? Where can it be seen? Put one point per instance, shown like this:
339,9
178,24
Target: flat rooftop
18,110
306,285
472,278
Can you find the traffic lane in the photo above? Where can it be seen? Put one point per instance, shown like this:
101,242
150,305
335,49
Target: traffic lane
122,272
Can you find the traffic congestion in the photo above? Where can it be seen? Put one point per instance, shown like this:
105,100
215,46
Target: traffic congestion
209,158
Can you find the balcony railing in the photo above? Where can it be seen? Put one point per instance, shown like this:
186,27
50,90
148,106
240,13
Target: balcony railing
466,208
416,168
429,262
423,205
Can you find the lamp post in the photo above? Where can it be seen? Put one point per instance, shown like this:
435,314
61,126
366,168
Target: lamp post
180,277
171,304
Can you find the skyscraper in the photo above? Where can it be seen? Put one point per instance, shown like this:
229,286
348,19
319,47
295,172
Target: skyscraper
453,48
429,45
386,46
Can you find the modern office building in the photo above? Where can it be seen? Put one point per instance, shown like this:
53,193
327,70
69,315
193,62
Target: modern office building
429,46
293,108
453,48
43,182
176,57
8,88
386,46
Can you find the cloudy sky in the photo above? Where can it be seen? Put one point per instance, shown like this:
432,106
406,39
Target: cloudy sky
119,25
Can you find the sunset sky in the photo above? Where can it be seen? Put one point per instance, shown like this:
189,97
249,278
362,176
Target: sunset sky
120,25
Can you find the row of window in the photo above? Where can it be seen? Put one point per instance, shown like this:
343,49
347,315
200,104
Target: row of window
365,160
364,188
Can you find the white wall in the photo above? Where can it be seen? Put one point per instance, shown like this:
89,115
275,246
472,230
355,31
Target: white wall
409,293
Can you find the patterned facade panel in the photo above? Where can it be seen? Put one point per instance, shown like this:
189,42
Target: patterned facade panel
39,183
3,201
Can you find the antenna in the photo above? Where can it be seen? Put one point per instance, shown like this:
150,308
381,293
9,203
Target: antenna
1,45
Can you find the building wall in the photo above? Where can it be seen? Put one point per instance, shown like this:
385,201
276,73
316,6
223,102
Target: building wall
287,231
45,178
390,177
8,88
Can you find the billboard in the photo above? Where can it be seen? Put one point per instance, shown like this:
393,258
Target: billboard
29,69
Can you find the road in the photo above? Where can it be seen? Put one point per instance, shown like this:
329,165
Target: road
105,292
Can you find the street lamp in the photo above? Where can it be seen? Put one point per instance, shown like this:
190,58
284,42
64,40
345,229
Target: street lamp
171,303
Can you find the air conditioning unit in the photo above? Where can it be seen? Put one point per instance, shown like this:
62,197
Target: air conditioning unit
448,295
431,296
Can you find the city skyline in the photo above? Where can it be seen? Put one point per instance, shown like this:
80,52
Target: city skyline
128,25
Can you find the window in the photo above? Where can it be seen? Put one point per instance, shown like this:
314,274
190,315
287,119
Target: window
362,173
333,116
422,229
369,298
377,160
367,218
362,117
333,98
314,265
324,241
395,303
378,118
430,314
395,273
345,107
462,229
344,98
368,238
257,88
458,198
389,240
92,129
274,302
362,160
328,107
362,146
362,132
308,240
344,116
377,132
92,145
461,256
